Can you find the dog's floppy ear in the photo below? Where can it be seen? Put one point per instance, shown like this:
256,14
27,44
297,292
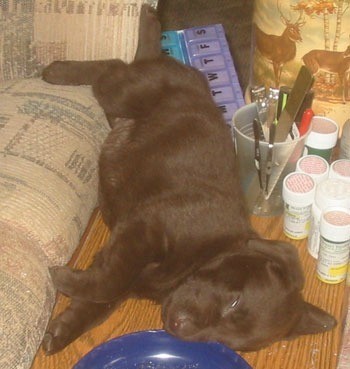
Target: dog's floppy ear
313,320
284,255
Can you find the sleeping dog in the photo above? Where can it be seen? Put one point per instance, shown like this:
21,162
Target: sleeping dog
170,195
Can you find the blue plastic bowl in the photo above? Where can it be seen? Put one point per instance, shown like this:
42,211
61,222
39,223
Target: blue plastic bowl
159,350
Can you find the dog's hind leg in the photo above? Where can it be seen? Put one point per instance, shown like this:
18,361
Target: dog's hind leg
149,34
116,267
78,318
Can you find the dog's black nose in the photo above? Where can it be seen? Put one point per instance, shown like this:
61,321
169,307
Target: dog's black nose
177,324
180,324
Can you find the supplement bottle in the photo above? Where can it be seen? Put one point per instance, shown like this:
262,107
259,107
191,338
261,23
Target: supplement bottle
298,195
322,138
344,152
331,192
340,169
315,166
333,257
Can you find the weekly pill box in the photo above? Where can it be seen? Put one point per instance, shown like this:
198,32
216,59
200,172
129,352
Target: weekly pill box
206,49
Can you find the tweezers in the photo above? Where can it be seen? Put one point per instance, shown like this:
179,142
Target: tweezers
257,135
268,170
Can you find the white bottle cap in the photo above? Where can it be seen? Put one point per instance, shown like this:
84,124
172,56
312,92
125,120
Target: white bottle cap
315,166
323,134
298,188
340,169
332,192
335,224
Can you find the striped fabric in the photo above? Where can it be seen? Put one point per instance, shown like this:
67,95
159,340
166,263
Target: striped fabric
33,33
50,138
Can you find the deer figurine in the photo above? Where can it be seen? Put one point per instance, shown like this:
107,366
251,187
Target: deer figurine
335,62
279,49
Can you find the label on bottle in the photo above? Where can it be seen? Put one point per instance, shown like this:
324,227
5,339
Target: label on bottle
344,152
333,261
296,221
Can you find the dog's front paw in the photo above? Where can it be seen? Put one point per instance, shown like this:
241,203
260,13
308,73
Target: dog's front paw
57,73
57,336
63,279
148,11
149,34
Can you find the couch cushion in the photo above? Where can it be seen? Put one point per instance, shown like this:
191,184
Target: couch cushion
26,296
311,33
34,33
50,138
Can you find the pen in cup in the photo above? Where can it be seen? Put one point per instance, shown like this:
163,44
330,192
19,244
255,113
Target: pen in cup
282,100
257,156
268,170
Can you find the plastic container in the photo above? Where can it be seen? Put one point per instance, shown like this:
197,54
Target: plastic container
315,166
344,152
331,192
322,137
298,195
285,157
333,258
340,169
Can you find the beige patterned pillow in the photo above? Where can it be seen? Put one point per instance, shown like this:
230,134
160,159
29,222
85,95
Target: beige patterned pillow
26,296
35,32
50,138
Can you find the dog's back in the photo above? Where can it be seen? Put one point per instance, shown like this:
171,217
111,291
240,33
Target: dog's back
176,162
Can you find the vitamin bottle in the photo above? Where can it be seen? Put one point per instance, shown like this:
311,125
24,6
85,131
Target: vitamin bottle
322,138
344,152
340,169
332,263
331,192
298,195
315,166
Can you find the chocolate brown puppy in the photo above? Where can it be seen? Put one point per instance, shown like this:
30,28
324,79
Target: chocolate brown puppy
170,194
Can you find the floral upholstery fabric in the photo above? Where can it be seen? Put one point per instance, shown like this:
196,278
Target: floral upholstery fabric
50,138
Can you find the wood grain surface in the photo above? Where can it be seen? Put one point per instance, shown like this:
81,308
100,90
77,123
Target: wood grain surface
308,352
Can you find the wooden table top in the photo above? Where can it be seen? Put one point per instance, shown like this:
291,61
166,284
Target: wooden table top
307,352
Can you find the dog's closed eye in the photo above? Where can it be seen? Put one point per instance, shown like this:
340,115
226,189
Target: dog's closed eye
233,305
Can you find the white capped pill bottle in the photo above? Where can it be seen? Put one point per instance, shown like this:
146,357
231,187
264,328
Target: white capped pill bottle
331,192
315,166
298,195
344,152
340,169
333,258
322,137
